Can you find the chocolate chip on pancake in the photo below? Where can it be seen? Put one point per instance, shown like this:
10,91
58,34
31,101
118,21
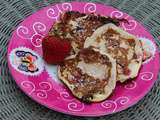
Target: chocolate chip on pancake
90,75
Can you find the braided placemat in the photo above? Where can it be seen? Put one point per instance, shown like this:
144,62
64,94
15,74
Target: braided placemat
14,105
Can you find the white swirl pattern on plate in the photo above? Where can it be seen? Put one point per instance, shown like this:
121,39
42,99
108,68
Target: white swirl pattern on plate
36,40
75,106
109,104
116,14
122,100
112,105
146,76
36,37
23,32
45,86
131,26
41,93
28,85
39,27
90,8
131,85
55,11
128,27
66,6
66,96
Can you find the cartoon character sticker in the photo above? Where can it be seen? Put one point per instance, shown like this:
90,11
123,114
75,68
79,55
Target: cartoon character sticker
26,61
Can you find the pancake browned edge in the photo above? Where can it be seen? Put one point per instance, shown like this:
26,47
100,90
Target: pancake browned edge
76,27
122,46
90,75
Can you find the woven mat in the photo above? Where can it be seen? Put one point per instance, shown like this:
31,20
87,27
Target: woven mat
14,105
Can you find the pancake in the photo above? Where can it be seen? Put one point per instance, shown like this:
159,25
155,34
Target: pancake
122,46
90,75
76,27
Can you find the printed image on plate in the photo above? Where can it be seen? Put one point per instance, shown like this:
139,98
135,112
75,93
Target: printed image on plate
127,85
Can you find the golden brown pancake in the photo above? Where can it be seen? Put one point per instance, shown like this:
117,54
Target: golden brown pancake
122,46
76,27
90,75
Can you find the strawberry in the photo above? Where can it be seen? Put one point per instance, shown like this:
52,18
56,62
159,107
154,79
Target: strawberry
55,49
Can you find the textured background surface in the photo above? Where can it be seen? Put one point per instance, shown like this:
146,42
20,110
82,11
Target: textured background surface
14,105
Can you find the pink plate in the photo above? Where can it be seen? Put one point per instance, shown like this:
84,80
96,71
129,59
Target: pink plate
39,80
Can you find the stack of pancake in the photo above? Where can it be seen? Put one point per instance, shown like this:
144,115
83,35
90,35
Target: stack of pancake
102,54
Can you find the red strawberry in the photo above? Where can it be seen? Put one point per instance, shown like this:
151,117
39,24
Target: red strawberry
55,49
